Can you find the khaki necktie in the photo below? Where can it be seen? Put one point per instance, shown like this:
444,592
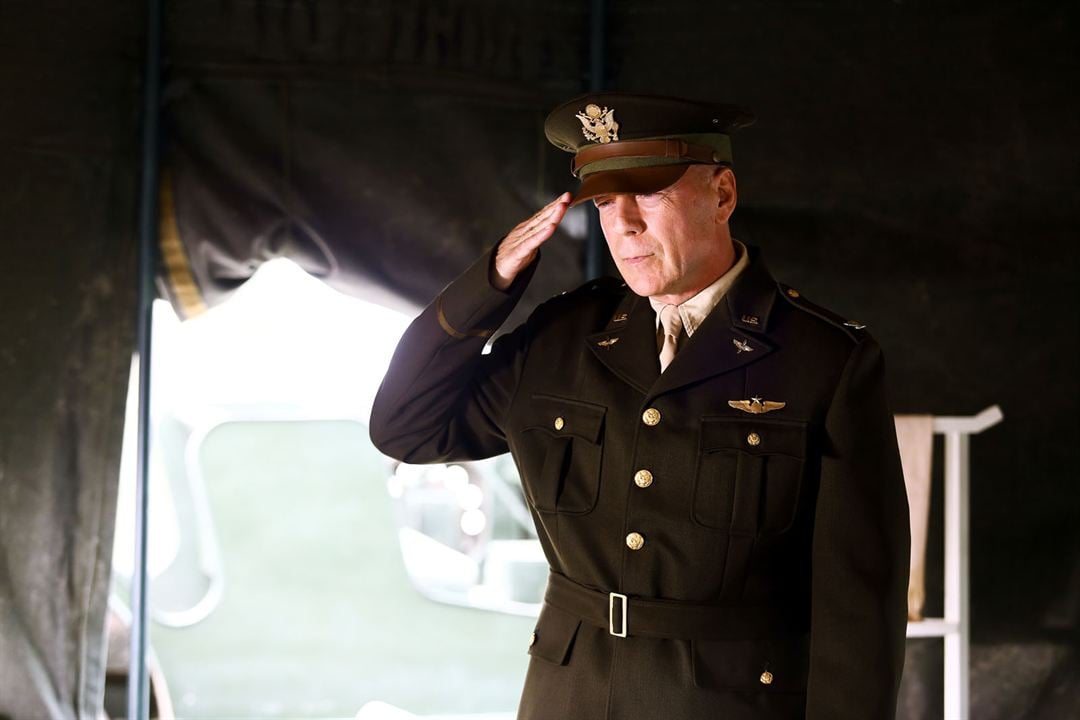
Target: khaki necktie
673,329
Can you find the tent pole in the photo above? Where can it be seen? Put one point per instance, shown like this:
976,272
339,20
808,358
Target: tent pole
594,238
138,700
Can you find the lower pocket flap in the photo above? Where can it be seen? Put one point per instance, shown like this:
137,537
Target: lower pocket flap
774,664
554,635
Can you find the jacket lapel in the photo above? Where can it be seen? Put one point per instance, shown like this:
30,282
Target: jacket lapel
627,346
717,347
734,334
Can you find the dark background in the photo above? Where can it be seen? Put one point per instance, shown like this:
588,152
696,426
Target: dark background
914,165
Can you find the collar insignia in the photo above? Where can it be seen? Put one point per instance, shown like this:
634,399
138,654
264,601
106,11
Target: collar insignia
598,124
755,406
608,343
741,346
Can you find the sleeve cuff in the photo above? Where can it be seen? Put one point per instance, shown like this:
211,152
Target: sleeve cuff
471,306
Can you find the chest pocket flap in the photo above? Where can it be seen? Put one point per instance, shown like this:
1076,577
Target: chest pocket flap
774,437
562,417
749,474
559,452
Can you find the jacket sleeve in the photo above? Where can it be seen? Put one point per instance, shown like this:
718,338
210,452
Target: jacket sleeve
860,553
443,399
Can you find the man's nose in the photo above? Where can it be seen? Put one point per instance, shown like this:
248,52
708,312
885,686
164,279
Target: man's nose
627,217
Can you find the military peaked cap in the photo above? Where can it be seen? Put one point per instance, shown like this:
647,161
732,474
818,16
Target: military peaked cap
624,143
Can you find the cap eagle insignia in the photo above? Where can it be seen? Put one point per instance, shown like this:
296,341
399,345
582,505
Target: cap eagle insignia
756,406
598,124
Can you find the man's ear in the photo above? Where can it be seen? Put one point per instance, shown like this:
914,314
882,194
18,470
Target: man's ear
723,185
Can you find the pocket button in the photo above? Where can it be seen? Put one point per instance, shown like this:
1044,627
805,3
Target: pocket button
753,439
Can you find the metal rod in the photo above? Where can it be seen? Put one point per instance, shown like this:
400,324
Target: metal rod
594,238
138,700
957,554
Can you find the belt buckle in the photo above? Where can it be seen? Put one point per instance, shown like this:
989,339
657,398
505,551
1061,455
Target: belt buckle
611,613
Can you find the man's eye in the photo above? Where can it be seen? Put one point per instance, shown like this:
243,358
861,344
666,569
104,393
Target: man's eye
601,203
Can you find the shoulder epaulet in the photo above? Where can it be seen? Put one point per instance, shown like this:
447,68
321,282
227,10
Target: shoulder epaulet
853,328
606,284
602,285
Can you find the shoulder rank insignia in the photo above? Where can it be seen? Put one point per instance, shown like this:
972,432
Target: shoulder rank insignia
598,124
741,346
756,406
608,343
855,324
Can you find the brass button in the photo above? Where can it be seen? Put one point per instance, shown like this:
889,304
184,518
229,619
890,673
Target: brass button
634,541
643,478
792,292
766,678
559,423
532,640
651,417
754,439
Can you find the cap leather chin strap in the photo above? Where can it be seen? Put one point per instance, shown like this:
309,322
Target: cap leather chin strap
669,149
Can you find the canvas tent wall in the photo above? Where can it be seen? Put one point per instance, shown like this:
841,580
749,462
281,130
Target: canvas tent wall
912,164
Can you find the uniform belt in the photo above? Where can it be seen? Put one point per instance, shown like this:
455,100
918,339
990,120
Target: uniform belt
624,615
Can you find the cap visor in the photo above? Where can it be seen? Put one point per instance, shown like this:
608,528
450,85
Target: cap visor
639,181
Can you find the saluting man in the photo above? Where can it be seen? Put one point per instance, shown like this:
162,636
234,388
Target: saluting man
709,458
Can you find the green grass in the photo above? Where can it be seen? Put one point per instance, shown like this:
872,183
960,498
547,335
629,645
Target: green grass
318,616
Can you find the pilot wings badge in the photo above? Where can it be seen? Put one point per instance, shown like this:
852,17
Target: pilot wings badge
598,124
756,406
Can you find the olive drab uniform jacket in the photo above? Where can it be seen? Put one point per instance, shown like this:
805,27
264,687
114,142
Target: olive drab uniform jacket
709,558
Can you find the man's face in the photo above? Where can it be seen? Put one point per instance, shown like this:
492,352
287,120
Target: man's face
670,244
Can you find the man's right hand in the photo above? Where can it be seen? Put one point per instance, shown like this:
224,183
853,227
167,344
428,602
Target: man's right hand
518,248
